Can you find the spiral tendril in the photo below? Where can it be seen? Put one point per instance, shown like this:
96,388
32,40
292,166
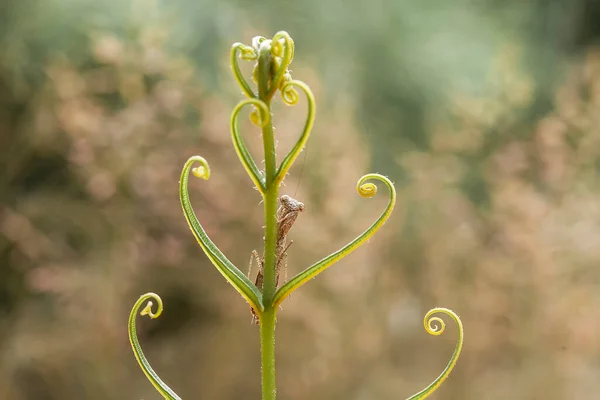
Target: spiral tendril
433,329
202,172
233,275
367,190
364,189
289,159
283,41
246,53
289,95
437,330
282,48
260,116
152,376
277,47
255,117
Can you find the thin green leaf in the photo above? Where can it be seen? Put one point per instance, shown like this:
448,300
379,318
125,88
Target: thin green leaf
248,53
261,117
433,330
365,190
233,275
286,58
290,97
152,376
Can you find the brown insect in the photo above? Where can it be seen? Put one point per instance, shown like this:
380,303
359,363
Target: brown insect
286,216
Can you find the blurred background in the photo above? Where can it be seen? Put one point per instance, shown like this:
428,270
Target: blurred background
486,115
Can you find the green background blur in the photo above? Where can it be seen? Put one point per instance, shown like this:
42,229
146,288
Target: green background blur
486,115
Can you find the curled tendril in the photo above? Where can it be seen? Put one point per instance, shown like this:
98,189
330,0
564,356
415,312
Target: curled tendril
260,116
246,53
282,46
233,275
289,159
365,190
283,42
202,172
277,47
152,376
436,326
289,95
433,329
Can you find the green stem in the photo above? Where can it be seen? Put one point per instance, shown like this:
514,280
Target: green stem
267,347
267,320
272,189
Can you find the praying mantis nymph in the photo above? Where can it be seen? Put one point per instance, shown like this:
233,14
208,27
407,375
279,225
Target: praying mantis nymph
286,216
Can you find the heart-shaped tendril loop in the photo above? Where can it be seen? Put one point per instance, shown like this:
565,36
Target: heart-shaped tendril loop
246,53
364,189
260,116
233,275
152,376
289,159
436,326
282,46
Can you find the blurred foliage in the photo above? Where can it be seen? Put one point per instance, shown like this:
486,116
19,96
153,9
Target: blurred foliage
486,113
